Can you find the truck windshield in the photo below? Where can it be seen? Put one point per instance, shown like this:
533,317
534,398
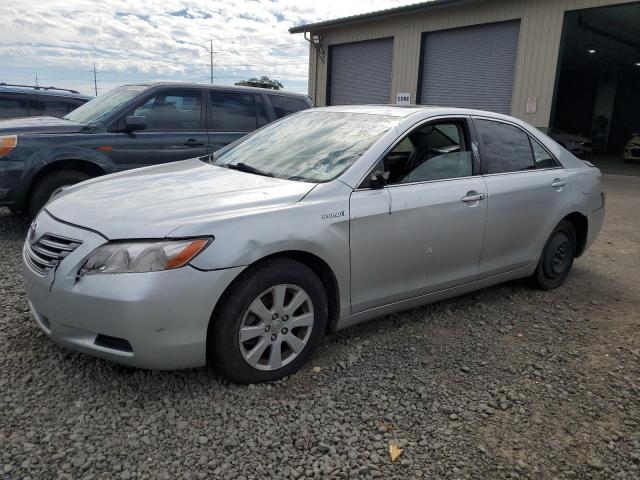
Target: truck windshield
312,146
97,110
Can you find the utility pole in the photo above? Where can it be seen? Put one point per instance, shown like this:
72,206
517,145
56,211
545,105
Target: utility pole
37,79
95,79
211,52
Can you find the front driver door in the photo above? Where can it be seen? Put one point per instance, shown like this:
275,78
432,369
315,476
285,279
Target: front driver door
423,232
176,130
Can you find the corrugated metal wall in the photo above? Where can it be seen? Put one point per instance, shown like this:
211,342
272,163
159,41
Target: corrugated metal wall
360,72
457,72
539,44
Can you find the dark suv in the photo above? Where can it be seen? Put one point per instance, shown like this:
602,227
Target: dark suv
131,126
32,101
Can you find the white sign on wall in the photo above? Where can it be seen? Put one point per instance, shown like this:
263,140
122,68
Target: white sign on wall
403,99
532,105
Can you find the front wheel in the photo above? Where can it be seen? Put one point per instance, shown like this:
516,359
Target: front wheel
270,323
557,257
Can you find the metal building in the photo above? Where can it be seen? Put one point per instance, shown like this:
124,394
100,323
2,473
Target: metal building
534,59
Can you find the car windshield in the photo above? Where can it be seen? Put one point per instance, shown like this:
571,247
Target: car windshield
96,110
312,146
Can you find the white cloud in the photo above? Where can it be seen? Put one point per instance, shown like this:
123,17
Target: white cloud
133,40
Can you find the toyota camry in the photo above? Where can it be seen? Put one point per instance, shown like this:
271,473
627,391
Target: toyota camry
245,258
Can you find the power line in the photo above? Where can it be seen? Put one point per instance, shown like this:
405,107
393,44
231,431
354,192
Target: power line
95,79
211,64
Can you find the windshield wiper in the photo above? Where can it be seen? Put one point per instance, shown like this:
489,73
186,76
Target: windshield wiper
243,167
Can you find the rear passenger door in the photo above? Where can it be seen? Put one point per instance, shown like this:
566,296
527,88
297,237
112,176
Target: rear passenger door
176,130
233,115
526,193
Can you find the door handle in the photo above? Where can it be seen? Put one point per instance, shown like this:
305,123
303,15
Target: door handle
473,197
557,183
193,143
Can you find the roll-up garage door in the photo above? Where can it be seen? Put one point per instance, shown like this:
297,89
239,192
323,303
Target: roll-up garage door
360,72
471,67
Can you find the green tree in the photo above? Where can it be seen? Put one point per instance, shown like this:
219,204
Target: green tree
262,82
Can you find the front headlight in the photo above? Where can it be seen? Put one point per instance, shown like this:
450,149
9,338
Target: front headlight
144,256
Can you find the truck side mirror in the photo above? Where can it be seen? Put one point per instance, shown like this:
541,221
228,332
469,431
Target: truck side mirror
135,122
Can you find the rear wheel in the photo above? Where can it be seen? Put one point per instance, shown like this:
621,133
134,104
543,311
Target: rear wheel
557,257
51,184
270,323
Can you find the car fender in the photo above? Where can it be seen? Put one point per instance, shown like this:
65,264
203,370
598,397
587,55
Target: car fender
318,225
46,157
575,202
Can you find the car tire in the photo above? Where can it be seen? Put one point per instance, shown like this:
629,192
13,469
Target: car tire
258,287
43,190
557,257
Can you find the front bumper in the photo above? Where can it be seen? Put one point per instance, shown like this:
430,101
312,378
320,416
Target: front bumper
159,319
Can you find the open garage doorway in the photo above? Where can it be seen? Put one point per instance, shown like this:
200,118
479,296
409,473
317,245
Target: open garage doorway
597,99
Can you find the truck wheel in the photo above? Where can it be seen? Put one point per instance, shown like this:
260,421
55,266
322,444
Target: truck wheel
50,184
270,323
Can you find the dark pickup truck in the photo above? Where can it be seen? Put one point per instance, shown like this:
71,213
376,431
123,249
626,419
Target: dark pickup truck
131,126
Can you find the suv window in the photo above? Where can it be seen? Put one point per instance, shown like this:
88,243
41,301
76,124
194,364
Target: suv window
12,107
284,105
233,111
542,157
56,108
436,151
503,147
172,110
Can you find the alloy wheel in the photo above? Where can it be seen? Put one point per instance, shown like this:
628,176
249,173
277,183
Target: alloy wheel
276,327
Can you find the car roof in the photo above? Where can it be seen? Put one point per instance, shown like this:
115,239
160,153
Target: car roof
409,110
47,91
221,87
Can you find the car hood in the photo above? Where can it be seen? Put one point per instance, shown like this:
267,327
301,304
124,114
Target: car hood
39,125
154,201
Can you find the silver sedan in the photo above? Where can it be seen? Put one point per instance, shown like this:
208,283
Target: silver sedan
329,217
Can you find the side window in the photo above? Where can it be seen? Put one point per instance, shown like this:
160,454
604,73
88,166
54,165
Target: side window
12,107
35,107
284,105
436,151
172,110
541,156
261,111
55,108
504,148
233,111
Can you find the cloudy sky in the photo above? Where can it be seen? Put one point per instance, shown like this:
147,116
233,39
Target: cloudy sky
141,40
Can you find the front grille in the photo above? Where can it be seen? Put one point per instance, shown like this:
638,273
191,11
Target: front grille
48,251
635,152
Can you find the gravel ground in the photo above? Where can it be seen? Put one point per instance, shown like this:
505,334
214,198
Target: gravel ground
508,382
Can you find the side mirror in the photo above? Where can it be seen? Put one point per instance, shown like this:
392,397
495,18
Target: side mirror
135,123
379,179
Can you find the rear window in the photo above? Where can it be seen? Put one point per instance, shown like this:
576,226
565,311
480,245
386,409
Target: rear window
12,107
284,105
